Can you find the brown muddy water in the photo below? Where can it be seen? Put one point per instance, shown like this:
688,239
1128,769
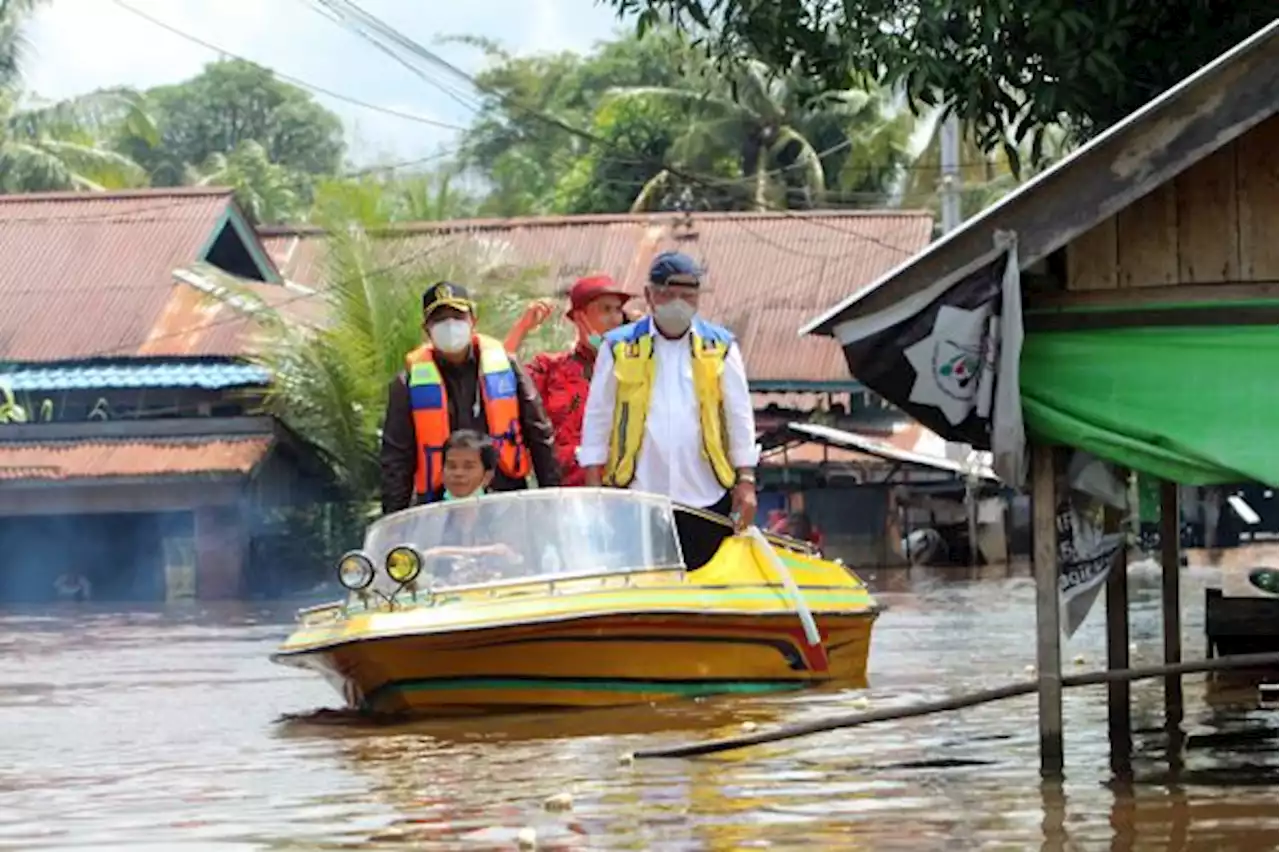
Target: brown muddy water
161,730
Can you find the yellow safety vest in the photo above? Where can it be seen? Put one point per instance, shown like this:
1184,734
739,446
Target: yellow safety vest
634,368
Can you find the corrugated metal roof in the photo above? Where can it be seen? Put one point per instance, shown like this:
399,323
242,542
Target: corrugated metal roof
87,275
153,374
59,460
766,271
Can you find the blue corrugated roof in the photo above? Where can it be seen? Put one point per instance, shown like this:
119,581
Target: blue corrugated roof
207,376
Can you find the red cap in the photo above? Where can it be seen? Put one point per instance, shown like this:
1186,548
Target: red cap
587,290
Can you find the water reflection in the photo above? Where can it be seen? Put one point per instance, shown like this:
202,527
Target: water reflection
124,727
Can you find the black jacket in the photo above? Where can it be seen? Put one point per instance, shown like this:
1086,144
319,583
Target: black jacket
399,456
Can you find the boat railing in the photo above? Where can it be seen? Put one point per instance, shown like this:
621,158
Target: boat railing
547,582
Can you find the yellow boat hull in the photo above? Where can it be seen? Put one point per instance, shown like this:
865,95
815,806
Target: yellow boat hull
729,627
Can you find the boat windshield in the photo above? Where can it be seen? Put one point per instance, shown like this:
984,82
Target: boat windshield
512,536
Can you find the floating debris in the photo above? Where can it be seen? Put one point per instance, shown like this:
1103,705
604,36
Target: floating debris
749,726
859,703
527,838
1078,659
1030,670
626,759
559,802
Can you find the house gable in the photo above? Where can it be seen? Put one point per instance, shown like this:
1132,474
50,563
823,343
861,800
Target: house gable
233,246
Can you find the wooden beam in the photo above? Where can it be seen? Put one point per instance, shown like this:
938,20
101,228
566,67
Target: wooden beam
1153,297
1146,318
1119,721
1171,609
1048,630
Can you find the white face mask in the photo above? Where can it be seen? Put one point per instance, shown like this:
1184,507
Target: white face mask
451,335
674,317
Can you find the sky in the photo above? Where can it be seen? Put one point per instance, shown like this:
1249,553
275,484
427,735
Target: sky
76,46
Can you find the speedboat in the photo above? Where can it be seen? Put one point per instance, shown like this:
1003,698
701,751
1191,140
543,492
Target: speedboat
559,598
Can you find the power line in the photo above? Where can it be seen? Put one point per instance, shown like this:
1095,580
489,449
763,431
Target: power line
328,10
288,78
424,53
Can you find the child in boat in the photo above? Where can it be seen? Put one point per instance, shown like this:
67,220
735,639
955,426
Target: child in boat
469,465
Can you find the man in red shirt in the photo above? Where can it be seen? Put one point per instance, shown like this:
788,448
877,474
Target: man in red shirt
563,378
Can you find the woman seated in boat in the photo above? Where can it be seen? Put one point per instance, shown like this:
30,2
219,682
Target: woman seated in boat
469,465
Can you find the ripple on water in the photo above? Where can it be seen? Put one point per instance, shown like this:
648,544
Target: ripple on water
171,730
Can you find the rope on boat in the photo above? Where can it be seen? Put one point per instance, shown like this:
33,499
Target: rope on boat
802,609
853,720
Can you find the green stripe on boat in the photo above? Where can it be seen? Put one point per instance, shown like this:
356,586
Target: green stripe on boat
683,688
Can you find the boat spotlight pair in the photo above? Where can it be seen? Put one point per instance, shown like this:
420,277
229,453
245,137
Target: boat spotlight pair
356,572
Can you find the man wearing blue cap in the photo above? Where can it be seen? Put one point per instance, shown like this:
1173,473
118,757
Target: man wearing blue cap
669,411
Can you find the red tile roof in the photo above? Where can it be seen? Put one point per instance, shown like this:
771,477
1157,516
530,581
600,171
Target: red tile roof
767,272
86,275
96,459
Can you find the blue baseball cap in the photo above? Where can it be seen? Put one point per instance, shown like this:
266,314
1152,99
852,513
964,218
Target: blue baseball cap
674,264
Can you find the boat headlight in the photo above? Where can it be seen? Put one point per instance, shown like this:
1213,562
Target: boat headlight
404,564
355,571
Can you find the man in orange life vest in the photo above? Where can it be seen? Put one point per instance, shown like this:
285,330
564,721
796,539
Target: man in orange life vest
460,380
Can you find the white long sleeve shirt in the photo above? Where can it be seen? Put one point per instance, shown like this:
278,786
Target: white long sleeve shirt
671,461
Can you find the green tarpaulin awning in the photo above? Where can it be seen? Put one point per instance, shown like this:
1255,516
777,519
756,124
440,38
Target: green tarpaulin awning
1196,405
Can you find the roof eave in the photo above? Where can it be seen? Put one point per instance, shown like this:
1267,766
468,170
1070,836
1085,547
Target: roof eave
1201,114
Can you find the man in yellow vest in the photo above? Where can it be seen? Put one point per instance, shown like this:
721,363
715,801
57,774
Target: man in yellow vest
669,411
460,380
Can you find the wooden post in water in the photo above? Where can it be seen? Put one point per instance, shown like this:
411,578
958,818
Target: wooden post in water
1171,608
1119,722
1044,550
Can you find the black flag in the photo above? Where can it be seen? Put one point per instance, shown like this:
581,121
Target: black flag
949,358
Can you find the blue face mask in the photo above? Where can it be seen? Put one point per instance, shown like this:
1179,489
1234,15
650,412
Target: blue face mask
594,340
449,498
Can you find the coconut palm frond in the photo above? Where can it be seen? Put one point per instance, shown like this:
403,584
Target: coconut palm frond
650,192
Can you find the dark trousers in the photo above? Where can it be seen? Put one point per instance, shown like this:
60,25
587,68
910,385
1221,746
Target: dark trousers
700,537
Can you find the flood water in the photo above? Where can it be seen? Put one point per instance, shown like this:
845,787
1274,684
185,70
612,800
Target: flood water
160,730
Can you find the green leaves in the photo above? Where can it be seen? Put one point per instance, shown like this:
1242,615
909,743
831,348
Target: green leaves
1080,65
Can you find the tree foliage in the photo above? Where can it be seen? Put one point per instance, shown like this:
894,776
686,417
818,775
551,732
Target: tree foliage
13,14
1009,69
60,146
664,129
524,155
232,102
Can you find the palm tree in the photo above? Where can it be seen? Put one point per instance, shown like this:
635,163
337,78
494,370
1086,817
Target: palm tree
62,146
431,196
791,147
268,192
13,14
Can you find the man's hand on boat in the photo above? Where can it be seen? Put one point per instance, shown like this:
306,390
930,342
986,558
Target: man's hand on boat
743,514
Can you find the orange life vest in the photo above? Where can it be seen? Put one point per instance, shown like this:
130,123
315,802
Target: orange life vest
429,402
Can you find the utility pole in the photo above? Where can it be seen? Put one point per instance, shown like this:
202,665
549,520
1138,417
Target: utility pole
950,184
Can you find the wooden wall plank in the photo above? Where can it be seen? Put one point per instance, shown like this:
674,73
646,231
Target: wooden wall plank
1257,188
1208,221
1147,238
1091,258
